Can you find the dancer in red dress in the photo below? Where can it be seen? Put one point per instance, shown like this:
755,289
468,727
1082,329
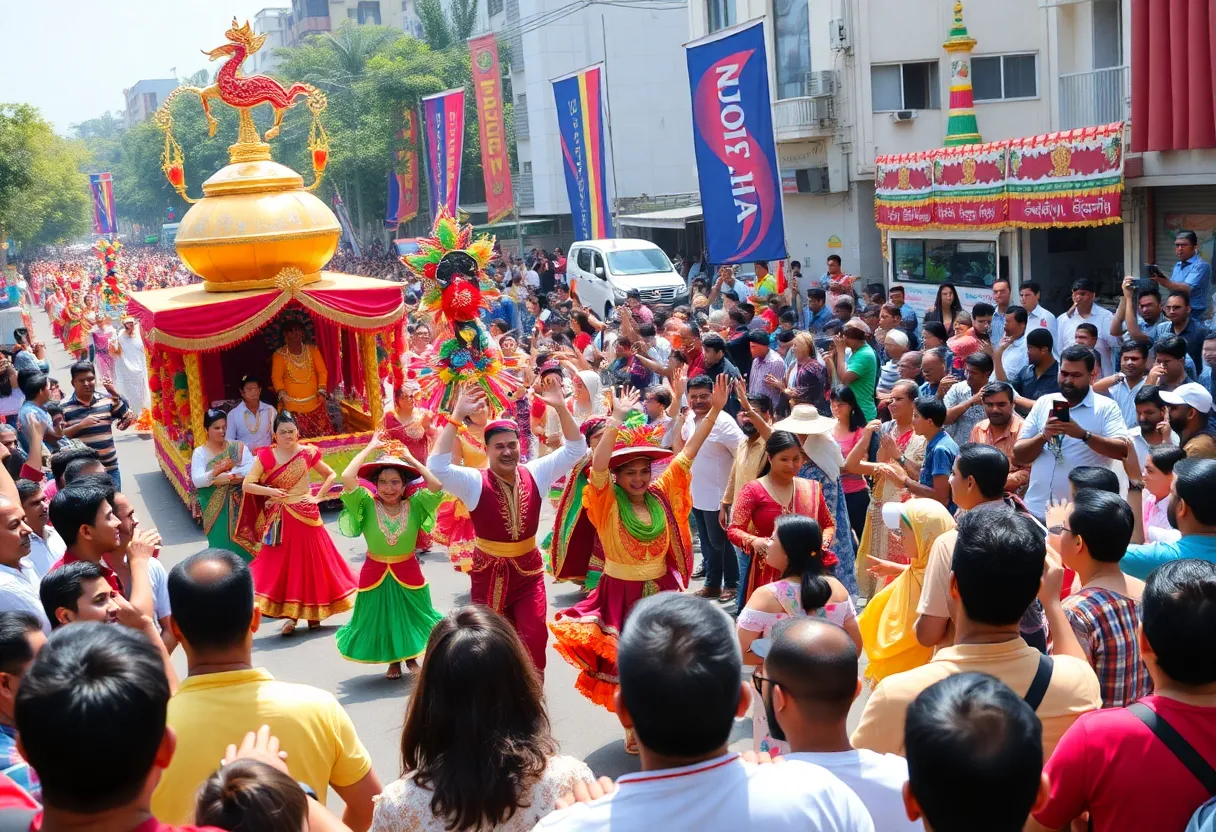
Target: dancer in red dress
297,571
504,502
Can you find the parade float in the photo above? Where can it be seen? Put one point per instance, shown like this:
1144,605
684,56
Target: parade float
260,240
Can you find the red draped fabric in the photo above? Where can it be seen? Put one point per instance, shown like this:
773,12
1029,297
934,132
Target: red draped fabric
328,338
211,367
352,362
1173,74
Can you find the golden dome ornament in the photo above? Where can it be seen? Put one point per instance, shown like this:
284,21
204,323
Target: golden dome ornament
256,220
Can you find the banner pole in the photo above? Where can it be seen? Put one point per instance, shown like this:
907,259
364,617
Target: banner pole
616,194
423,131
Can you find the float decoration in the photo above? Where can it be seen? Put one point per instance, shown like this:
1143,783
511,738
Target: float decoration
456,289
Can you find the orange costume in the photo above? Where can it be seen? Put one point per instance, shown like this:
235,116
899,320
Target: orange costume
299,378
640,559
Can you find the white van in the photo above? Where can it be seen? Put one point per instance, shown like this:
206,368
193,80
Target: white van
602,272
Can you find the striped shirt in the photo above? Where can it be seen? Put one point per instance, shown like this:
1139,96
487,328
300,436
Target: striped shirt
1105,623
100,437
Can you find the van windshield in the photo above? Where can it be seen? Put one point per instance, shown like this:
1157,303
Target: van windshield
638,261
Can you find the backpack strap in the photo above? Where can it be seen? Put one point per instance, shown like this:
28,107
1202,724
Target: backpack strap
1177,744
1038,685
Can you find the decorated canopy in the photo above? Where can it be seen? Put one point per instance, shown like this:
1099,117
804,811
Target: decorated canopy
191,319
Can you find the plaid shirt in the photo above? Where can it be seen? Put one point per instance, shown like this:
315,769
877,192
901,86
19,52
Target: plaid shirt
1105,623
14,766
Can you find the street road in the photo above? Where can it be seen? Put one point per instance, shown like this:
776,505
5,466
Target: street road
376,704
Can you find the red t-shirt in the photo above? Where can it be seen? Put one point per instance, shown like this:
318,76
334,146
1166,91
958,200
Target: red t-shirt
150,825
770,316
582,341
110,575
1112,765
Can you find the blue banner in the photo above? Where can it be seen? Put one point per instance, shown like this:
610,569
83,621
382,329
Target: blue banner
580,121
736,154
101,186
443,123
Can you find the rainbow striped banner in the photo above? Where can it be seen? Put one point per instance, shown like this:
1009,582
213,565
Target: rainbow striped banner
101,187
580,120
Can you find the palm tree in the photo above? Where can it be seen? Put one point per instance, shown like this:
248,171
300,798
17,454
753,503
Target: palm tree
354,45
442,29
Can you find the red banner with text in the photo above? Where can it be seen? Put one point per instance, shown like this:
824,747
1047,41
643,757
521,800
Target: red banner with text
495,161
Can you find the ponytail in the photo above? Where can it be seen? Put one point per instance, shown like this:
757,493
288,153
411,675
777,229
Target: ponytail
802,540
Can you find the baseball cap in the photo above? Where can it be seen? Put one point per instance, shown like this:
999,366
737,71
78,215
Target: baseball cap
731,294
1191,394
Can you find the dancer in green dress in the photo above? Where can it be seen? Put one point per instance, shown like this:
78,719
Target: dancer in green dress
393,614
217,468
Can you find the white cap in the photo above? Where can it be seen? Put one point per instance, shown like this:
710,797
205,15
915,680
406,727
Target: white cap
1192,394
892,513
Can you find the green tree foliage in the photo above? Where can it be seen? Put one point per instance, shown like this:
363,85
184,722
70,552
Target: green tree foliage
370,74
44,195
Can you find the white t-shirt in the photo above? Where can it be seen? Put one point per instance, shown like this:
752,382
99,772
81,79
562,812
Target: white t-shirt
1100,317
159,578
531,278
1040,318
723,793
878,779
711,467
1049,472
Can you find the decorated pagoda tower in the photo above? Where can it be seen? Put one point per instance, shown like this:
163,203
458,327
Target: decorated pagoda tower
962,127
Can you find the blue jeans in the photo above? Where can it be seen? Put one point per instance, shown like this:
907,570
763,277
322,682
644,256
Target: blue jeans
116,478
745,565
721,566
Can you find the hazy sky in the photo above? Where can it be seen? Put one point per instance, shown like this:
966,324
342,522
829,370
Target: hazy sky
73,58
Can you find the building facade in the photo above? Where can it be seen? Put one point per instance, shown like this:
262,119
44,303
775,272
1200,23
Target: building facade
275,24
648,111
314,16
856,79
145,97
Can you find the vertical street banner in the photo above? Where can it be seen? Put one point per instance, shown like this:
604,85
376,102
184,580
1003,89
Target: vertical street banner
736,153
101,185
443,123
580,121
495,161
403,176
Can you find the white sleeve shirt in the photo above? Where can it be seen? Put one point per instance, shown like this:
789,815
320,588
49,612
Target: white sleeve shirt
19,592
712,464
465,483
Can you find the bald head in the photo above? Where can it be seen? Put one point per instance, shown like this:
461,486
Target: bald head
212,598
816,662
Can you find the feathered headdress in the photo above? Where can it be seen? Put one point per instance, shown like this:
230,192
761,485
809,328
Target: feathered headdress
452,266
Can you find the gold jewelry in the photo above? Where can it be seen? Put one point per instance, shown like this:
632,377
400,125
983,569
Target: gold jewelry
257,419
301,362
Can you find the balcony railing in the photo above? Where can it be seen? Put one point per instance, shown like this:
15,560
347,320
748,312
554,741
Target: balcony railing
523,128
804,118
1091,98
307,26
522,185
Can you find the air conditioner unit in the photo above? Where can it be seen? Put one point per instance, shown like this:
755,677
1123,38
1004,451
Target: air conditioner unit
838,34
822,82
903,115
823,109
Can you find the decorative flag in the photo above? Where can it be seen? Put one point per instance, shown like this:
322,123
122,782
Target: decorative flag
733,138
101,185
495,163
581,124
443,121
403,176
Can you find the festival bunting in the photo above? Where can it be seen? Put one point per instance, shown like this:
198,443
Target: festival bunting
1058,180
495,162
736,152
101,186
581,124
1073,178
443,122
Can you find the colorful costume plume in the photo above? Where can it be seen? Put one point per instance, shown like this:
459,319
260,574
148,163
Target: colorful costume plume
113,293
452,267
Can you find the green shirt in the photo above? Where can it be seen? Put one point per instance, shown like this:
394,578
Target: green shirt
362,515
864,363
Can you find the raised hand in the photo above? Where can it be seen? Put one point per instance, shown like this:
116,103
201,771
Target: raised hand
624,403
467,403
721,393
551,392
679,382
262,747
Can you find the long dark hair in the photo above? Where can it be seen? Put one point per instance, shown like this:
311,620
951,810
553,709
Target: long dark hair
955,307
476,732
844,394
283,417
802,541
778,441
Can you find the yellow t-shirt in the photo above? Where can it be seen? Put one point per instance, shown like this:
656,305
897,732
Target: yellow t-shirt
209,712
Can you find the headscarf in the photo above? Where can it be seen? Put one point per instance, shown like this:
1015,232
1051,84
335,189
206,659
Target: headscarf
823,450
888,623
595,389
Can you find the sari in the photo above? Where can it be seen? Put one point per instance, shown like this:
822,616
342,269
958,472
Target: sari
888,623
297,571
877,540
220,504
754,517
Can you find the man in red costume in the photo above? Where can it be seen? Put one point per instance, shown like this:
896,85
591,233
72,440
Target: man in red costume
505,502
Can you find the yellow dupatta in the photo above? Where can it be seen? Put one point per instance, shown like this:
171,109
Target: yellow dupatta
888,623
